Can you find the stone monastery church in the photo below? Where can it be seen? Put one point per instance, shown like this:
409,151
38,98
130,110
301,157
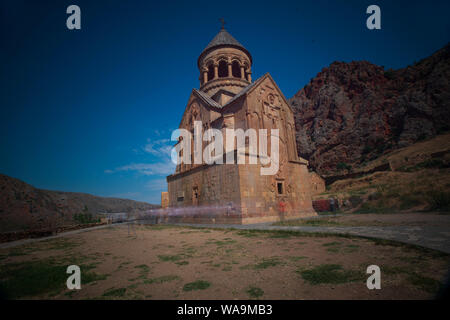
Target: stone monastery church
228,97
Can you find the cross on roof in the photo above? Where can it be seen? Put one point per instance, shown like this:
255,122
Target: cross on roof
223,22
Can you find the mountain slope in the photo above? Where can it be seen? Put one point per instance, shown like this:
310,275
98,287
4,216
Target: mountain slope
22,205
351,113
418,179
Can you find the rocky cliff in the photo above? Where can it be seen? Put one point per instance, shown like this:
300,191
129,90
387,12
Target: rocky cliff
351,113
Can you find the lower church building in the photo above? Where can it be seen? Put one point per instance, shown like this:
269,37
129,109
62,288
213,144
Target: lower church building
228,98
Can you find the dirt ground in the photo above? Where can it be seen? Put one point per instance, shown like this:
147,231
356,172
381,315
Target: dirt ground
173,262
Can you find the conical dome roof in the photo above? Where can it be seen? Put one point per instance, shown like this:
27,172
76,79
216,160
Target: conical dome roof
223,39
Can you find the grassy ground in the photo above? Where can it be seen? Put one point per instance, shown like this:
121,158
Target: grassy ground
170,262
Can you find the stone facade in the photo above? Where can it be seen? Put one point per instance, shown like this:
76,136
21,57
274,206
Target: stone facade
164,199
238,193
317,183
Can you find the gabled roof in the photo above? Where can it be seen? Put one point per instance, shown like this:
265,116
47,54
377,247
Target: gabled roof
206,99
210,102
243,91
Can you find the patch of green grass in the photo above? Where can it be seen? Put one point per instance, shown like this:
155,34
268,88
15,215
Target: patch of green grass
264,264
143,267
161,227
162,279
60,244
279,235
172,258
115,293
372,207
427,164
26,279
123,264
351,248
333,247
298,258
143,272
308,222
329,213
227,268
70,293
182,263
255,292
425,283
196,285
331,244
409,200
439,200
92,276
394,270
222,242
17,252
330,273
188,252
247,233
33,278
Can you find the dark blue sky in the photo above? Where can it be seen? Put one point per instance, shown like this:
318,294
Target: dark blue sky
92,110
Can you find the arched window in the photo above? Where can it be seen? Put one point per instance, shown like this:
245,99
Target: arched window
223,70
236,69
210,72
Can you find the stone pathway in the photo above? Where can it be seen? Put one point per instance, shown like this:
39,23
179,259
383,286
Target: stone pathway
432,237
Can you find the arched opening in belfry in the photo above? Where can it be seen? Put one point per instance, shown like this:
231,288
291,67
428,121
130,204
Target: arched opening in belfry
236,69
210,72
223,70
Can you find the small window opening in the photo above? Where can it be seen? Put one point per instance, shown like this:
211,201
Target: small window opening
280,187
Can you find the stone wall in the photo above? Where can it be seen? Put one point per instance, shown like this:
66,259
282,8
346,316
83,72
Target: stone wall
164,199
275,198
317,183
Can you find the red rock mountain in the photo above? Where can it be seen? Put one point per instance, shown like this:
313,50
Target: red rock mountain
353,112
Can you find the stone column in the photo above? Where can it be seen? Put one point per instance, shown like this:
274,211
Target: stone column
242,73
249,76
230,71
205,76
216,71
